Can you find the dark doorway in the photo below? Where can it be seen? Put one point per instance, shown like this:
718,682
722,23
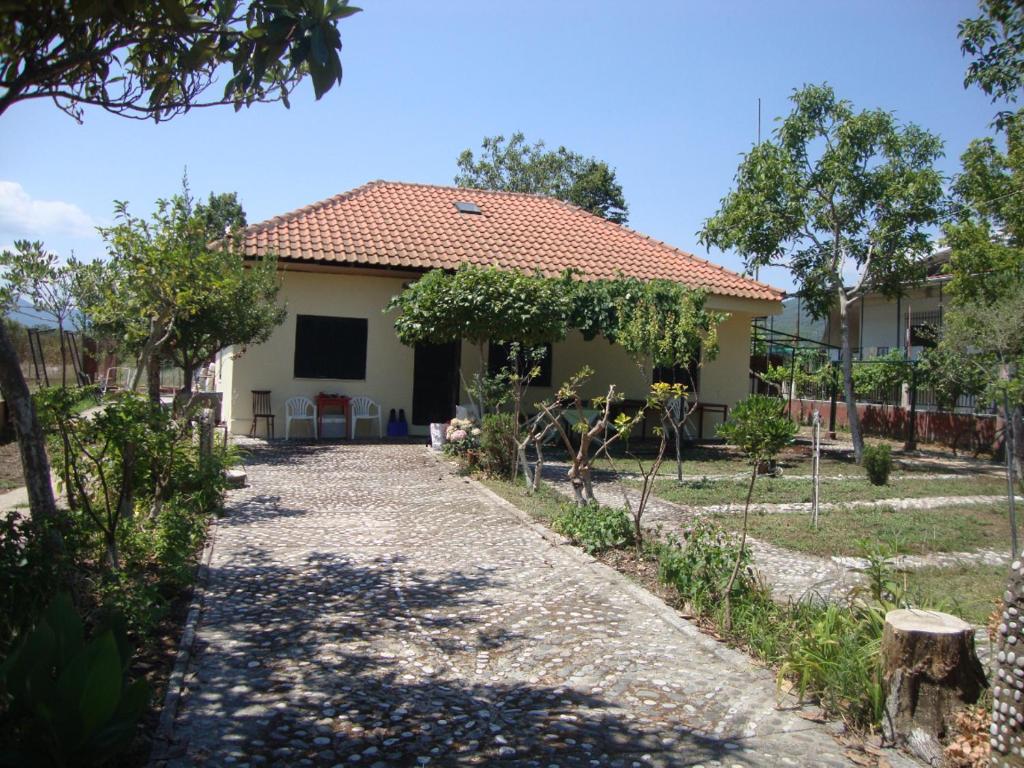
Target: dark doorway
435,382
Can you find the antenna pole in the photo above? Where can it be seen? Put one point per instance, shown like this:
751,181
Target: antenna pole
758,119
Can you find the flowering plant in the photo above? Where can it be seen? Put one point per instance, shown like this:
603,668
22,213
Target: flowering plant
462,437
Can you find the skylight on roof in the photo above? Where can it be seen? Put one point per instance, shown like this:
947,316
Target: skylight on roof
463,207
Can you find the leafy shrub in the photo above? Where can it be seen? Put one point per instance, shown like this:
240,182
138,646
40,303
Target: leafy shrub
878,462
700,568
498,446
29,576
69,700
834,654
593,527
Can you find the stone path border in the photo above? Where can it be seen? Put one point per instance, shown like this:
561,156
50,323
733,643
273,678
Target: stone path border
163,738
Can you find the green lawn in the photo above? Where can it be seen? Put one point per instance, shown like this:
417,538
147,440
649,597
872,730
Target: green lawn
772,490
914,531
968,591
542,506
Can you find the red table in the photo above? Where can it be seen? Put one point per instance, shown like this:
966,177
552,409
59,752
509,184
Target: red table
333,401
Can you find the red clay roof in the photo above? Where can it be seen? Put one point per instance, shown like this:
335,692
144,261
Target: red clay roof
394,224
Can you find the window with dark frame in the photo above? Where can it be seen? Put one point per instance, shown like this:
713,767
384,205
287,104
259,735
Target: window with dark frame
330,347
688,375
497,358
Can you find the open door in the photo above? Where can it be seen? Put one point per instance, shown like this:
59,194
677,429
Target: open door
435,382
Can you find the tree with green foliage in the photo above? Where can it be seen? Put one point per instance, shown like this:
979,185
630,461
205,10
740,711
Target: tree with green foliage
158,60
995,42
480,304
664,325
986,230
517,166
169,292
151,60
835,191
759,427
48,284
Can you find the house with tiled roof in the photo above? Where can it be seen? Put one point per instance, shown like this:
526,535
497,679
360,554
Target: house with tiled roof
343,258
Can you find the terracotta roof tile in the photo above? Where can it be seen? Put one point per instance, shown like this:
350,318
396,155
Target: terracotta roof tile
417,225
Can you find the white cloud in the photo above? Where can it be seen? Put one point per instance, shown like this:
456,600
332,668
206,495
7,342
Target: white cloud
23,216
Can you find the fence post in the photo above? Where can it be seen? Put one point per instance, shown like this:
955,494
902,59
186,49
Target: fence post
206,432
911,443
832,409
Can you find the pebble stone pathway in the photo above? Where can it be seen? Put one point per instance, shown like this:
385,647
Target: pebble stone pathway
367,607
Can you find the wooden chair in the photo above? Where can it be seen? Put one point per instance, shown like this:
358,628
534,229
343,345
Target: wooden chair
261,409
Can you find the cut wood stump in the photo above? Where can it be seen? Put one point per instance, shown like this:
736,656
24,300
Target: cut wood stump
930,672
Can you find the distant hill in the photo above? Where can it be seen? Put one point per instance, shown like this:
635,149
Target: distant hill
27,315
786,322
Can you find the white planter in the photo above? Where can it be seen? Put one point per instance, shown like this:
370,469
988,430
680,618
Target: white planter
437,435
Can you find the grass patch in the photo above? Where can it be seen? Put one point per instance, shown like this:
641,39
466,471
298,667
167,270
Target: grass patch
773,490
544,505
915,531
971,592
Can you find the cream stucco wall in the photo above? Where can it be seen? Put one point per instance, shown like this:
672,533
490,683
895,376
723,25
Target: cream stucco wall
389,364
270,365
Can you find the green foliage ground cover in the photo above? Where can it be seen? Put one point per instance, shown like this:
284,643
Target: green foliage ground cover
916,531
770,490
140,496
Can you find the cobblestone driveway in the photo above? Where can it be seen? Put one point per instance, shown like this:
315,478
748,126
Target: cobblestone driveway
366,607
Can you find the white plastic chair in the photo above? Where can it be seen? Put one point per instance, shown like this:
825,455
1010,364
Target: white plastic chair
299,409
363,410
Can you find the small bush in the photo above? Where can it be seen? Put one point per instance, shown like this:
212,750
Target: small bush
700,568
498,456
69,700
878,462
595,528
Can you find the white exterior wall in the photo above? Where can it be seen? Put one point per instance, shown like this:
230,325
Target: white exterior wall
389,364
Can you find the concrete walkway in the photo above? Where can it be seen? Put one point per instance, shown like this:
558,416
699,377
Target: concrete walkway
367,607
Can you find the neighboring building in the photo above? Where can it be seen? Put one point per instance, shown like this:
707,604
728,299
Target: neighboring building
342,259
879,324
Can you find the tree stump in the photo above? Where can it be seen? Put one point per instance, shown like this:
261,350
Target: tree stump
1007,708
930,672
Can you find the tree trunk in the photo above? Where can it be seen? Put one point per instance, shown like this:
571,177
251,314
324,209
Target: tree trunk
727,623
538,468
1007,738
930,672
1018,443
34,462
153,379
851,401
63,357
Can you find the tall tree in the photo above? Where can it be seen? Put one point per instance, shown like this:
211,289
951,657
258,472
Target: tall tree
517,166
995,42
835,194
985,231
152,60
142,59
174,287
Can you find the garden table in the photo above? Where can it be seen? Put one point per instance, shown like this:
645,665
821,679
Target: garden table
337,402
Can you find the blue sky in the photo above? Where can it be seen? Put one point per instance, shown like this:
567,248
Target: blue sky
665,92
